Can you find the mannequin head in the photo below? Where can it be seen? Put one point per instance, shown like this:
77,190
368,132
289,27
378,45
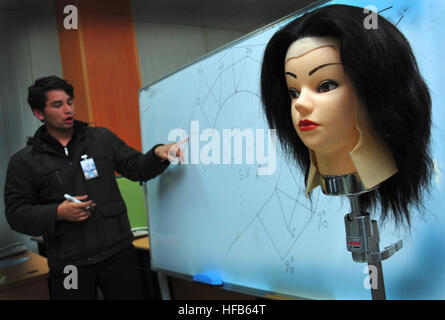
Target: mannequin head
323,103
366,98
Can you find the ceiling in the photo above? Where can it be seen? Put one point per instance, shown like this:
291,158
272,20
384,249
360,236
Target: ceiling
242,15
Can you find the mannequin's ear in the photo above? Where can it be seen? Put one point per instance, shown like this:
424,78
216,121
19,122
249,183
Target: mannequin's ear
38,114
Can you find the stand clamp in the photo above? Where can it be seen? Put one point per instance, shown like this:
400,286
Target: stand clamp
362,240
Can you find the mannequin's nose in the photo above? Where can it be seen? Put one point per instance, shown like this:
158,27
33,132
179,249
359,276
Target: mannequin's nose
303,104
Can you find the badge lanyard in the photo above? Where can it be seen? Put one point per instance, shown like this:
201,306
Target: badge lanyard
88,167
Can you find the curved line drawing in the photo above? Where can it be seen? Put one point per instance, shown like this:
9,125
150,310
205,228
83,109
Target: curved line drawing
211,94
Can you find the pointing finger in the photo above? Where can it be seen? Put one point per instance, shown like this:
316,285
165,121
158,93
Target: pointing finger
182,141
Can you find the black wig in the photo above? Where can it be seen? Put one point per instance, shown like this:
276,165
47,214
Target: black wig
384,72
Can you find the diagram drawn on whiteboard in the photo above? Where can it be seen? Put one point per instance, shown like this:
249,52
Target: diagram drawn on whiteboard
226,90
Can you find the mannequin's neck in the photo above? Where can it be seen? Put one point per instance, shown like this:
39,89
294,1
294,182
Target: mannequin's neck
334,164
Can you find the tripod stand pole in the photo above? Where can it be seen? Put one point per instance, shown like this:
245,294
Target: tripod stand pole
362,234
370,236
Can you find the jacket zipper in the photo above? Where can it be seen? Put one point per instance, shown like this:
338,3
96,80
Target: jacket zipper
47,150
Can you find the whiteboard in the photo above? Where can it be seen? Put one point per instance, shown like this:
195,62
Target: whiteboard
258,231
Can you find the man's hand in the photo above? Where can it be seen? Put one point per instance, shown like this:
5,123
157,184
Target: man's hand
171,151
73,211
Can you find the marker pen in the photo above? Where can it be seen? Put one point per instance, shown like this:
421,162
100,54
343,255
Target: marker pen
72,199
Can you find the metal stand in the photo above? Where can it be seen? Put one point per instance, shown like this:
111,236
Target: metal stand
362,234
163,286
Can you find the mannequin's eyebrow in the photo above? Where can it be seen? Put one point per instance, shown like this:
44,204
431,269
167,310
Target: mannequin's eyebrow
291,74
322,66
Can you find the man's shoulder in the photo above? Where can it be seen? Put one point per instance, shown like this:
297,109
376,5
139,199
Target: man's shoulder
82,128
98,130
23,152
100,133
21,156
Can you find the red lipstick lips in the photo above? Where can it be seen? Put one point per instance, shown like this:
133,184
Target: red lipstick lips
307,125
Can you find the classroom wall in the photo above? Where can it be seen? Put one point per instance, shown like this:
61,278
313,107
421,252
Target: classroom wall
29,49
105,64
163,48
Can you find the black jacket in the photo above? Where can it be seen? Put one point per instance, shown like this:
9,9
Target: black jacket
40,174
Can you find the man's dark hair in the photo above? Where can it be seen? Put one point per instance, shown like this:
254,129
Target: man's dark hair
37,92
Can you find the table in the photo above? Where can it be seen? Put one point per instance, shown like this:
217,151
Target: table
25,281
142,243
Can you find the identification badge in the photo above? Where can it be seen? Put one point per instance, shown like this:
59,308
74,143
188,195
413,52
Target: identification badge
89,168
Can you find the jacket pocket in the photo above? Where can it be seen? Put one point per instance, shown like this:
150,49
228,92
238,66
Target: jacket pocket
50,184
50,176
113,209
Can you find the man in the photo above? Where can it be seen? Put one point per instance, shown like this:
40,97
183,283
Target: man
66,156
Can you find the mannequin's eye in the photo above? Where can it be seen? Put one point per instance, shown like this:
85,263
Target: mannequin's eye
327,86
294,94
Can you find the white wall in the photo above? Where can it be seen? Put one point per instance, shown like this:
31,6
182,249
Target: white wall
164,48
29,49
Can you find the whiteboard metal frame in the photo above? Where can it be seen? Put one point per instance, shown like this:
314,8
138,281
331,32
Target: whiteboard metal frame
162,273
